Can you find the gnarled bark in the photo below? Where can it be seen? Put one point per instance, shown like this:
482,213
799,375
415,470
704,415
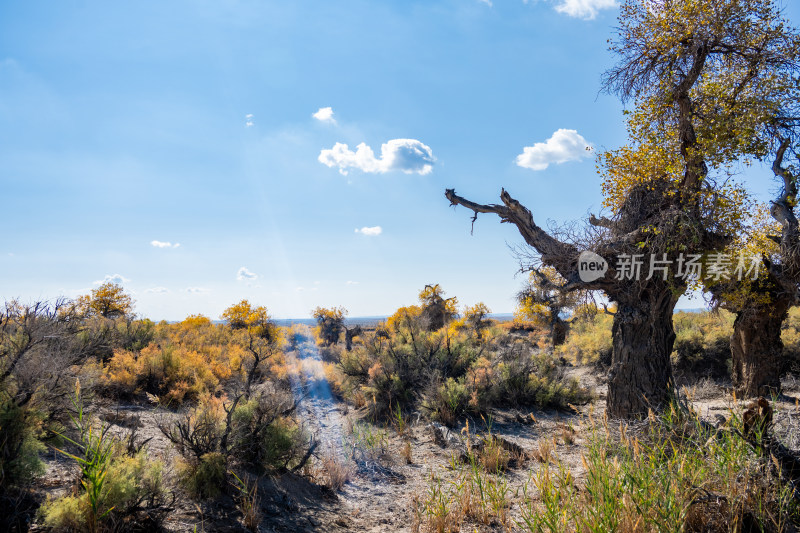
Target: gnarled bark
640,377
757,349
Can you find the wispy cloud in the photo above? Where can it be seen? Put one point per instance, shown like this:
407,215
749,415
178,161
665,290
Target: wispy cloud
352,282
248,120
406,155
487,2
157,290
118,279
584,9
564,145
373,231
195,290
245,275
324,114
163,244
302,289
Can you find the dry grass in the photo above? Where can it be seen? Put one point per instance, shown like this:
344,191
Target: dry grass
543,451
567,433
406,453
338,471
249,503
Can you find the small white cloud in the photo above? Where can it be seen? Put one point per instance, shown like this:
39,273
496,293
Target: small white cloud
564,145
195,290
352,282
373,231
162,244
248,120
117,279
584,9
245,275
300,289
157,290
324,114
406,155
487,2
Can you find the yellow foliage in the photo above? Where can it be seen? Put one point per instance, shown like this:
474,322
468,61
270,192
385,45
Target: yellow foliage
108,301
402,316
254,320
176,373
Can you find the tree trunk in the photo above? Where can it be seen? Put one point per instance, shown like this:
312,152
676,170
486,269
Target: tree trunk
559,330
640,377
757,349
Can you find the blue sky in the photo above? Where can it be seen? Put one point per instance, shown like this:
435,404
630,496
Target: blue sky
126,130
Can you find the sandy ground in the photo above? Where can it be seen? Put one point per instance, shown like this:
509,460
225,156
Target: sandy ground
382,487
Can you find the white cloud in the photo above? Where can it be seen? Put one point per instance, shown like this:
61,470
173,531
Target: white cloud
248,120
373,231
324,114
487,2
162,244
117,279
157,290
406,155
564,145
584,9
352,282
245,275
195,290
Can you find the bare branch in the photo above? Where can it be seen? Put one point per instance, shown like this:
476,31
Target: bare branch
601,222
554,252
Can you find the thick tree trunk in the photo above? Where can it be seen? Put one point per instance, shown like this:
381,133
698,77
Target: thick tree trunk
640,377
757,349
559,331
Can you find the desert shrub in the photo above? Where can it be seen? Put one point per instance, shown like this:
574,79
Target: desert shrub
183,362
43,349
462,368
256,432
175,373
535,380
449,401
115,484
134,335
702,343
261,436
205,477
132,483
589,339
19,445
199,431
